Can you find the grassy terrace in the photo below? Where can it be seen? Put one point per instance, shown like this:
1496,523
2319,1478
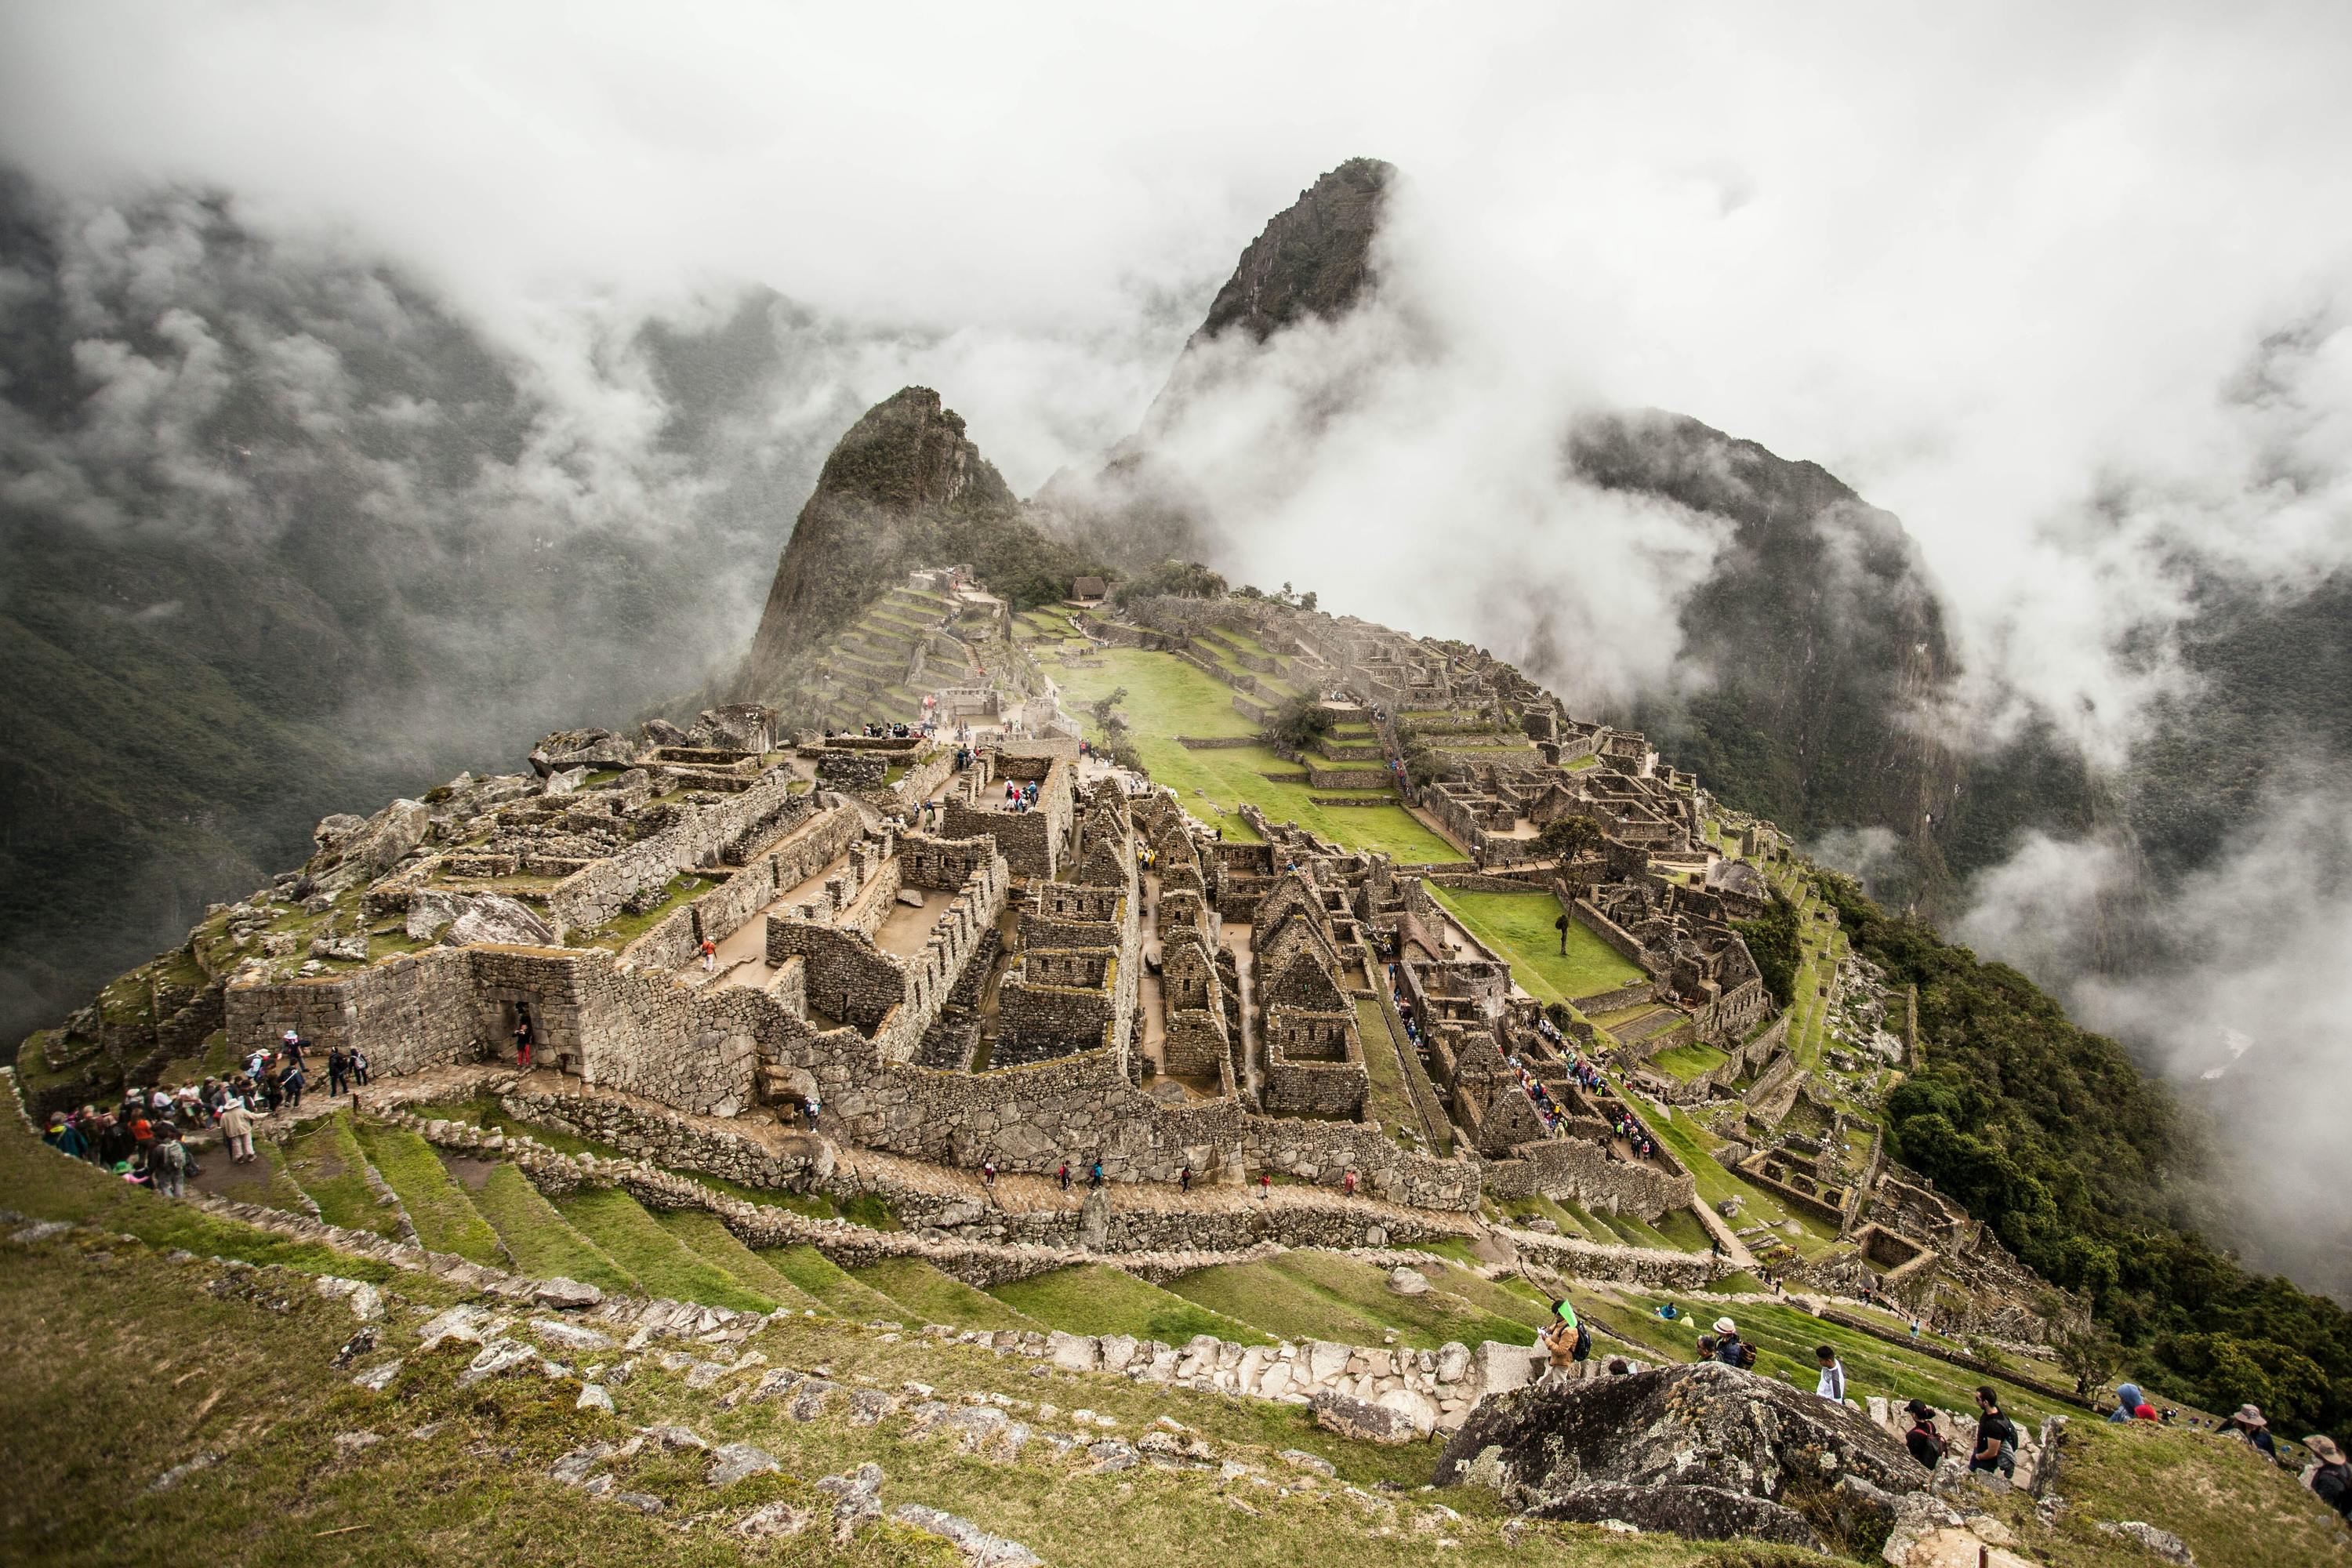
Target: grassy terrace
1167,698
1390,1102
1519,927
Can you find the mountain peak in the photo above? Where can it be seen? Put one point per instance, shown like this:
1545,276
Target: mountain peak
1313,259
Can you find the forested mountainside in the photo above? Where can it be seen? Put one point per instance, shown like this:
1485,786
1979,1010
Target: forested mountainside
280,531
2053,1136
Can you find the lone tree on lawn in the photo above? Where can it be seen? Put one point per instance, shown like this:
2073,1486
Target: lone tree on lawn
1569,836
1300,722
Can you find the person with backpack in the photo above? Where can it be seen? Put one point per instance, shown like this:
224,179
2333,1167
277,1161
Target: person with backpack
1996,1436
338,1072
1730,1348
1831,1383
170,1165
2330,1479
236,1130
2247,1422
1926,1444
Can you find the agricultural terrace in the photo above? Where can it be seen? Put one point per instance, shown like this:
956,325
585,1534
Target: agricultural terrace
1519,927
1167,698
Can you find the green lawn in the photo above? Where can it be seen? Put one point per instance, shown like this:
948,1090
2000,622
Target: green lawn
635,1240
444,1218
542,1241
832,1286
1167,698
1095,1299
326,1159
1519,927
1329,1296
1689,1060
704,1235
926,1295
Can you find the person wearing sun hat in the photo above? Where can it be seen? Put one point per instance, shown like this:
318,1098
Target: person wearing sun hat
2247,1422
1730,1348
2331,1479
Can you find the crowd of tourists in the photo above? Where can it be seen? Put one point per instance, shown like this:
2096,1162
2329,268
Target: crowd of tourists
142,1139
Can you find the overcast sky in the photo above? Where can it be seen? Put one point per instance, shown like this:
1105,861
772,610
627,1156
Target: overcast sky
1992,264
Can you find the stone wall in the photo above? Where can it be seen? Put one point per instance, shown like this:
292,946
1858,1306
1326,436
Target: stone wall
1314,1065
594,895
1584,1172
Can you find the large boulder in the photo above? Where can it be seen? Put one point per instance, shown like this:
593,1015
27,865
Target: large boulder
737,727
581,749
1707,1451
390,834
494,918
1366,1423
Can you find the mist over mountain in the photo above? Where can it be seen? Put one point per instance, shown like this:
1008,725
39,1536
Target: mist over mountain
280,532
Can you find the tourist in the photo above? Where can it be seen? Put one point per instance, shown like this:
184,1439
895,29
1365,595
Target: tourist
1926,1444
1620,1367
65,1137
1559,1341
236,1130
170,1165
710,956
1670,1312
338,1070
2247,1422
291,1083
2131,1404
292,1047
815,1109
1996,1436
1730,1348
1348,1184
1064,1174
1915,1330
2331,1479
988,1173
1830,1385
522,1041
1095,1175
359,1067
1265,1185
1184,1180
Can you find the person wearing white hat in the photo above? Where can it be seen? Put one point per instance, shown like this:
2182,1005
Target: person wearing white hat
2247,1422
1730,1348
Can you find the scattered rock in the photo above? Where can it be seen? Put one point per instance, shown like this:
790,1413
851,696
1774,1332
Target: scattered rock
1300,1459
502,1357
376,1379
673,1437
359,1344
733,1462
570,1336
594,1397
2162,1542
1408,1282
773,1522
350,1443
1363,1421
644,1502
183,1470
856,1498
980,1548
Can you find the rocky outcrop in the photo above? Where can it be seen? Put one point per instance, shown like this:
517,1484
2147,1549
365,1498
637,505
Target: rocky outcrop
1706,1451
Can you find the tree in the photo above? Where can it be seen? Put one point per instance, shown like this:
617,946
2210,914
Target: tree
1104,708
1300,722
1569,836
1773,943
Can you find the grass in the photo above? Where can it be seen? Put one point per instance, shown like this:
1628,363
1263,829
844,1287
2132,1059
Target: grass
621,930
1095,1299
1519,927
830,1284
1167,698
1328,1296
266,1181
326,1159
1388,1101
926,1295
618,1224
703,1233
1689,1060
542,1242
444,1218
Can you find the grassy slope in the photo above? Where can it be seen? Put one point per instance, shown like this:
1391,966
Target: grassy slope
832,1286
1167,698
634,1239
1518,926
702,1234
327,1160
1096,1298
926,1295
542,1241
444,1218
108,1369
266,1181
1327,1296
